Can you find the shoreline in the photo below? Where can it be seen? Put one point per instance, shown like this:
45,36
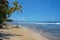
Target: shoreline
21,33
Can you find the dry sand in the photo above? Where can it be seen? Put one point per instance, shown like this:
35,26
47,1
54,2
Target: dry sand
21,34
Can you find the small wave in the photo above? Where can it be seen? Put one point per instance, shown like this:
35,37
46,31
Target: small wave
57,23
47,23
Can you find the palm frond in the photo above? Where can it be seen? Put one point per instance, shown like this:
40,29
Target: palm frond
20,10
17,6
20,6
11,10
15,3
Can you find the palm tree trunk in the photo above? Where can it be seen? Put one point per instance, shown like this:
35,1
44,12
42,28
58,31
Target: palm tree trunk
3,11
1,20
1,26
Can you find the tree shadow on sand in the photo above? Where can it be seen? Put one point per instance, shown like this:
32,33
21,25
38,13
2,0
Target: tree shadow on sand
7,36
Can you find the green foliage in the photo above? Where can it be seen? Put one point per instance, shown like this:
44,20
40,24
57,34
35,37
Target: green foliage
6,10
16,7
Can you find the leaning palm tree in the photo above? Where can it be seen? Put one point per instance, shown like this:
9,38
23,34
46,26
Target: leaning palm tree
16,7
6,10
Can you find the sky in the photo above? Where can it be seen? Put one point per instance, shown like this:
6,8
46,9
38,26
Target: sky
37,10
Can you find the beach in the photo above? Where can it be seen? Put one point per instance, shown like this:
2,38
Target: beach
13,33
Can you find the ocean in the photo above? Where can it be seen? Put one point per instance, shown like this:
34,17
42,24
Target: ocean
49,29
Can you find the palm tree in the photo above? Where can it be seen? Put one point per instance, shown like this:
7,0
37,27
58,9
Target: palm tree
16,7
3,7
6,10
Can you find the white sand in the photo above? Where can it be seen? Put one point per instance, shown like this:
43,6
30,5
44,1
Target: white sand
22,34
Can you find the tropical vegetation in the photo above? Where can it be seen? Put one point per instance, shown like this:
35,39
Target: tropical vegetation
6,11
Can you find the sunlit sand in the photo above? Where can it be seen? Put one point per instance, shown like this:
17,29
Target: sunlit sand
12,33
